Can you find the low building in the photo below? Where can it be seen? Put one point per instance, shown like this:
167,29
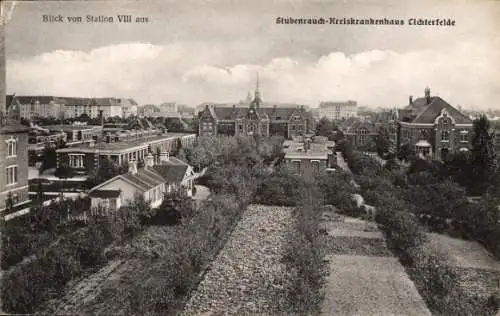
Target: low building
309,155
152,182
130,147
335,111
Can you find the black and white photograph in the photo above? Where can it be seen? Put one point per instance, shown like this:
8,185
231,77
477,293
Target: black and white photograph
250,157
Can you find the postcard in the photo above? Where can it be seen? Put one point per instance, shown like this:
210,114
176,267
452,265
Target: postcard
238,157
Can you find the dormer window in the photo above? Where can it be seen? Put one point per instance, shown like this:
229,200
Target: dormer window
11,147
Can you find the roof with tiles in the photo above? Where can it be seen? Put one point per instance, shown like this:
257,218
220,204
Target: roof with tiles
357,125
172,173
421,112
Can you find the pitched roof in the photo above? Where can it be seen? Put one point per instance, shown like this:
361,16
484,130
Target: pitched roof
171,173
356,125
326,104
428,113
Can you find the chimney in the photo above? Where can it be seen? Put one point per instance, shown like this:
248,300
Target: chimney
164,156
410,100
132,166
427,95
150,160
102,117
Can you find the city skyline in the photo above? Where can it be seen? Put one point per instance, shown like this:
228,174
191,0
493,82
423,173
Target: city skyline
198,52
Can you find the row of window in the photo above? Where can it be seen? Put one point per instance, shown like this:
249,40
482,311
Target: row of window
445,135
297,165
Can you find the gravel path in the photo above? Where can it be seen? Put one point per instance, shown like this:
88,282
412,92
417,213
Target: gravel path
247,275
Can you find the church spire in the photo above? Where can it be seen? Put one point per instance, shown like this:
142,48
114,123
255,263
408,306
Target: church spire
257,88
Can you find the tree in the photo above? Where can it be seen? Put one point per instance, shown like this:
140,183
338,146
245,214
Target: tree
325,128
49,158
107,169
484,159
383,142
174,124
405,152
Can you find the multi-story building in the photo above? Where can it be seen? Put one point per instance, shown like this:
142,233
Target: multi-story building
337,110
13,146
362,135
129,108
32,107
432,127
121,148
148,110
92,107
254,119
309,155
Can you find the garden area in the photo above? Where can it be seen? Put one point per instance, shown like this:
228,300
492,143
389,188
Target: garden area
415,206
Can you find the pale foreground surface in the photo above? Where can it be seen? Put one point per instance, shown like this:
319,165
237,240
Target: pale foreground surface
247,275
361,283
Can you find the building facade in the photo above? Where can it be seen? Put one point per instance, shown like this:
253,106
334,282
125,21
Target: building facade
254,119
309,155
432,127
32,107
362,135
85,159
335,111
152,181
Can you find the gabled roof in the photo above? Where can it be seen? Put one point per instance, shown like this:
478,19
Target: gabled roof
356,125
428,113
171,173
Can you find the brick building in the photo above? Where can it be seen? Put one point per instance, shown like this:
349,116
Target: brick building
254,118
85,159
432,127
13,146
309,155
362,135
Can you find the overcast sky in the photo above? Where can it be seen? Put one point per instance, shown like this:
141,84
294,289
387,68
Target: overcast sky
180,55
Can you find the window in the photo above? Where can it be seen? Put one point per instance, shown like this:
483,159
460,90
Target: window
11,147
11,173
76,161
296,165
315,166
464,136
445,136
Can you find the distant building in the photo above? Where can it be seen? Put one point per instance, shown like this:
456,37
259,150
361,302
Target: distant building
152,182
148,110
32,107
337,110
432,127
254,119
308,155
362,135
129,108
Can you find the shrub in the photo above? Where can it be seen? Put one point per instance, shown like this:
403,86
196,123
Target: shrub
304,256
